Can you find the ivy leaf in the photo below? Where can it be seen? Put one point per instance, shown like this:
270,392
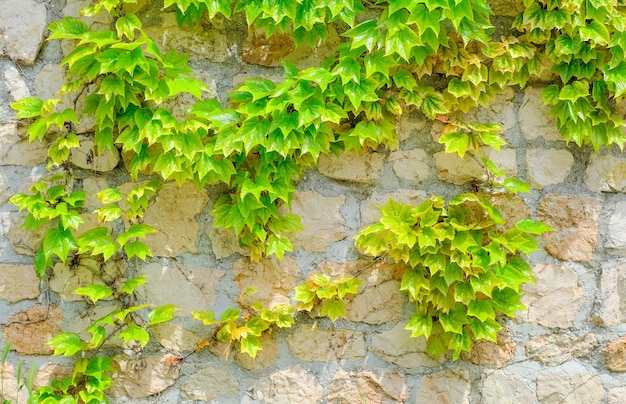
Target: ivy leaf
162,314
486,329
333,309
515,185
206,316
136,230
94,292
60,242
186,84
349,286
126,26
364,34
434,104
250,344
303,293
454,320
420,324
134,333
29,107
464,293
97,241
481,309
507,301
67,28
66,344
455,142
533,227
109,195
132,284
401,42
137,249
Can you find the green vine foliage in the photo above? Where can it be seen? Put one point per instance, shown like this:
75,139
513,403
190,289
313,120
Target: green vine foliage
434,57
462,269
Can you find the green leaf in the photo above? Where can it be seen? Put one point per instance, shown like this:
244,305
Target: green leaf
574,91
454,320
95,292
533,227
481,309
137,249
230,314
136,230
126,26
186,84
507,301
132,284
303,293
109,213
134,333
66,344
29,107
250,344
464,293
350,286
162,314
364,34
433,105
401,42
515,185
487,329
67,28
206,316
455,142
420,324
333,309
60,242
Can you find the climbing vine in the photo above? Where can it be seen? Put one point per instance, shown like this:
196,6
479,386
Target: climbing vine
436,57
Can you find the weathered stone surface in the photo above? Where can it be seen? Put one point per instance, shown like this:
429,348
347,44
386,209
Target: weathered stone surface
370,208
352,166
187,288
291,385
97,22
15,83
397,346
83,271
210,384
617,395
90,315
456,170
312,344
556,388
272,278
264,358
555,349
18,282
408,125
613,289
534,117
136,378
321,217
500,110
615,355
15,150
8,382
410,165
208,43
175,336
367,387
491,353
86,157
224,242
47,373
501,387
173,214
606,173
556,298
5,189
447,387
48,82
574,219
22,24
29,330
512,207
548,166
616,231
22,241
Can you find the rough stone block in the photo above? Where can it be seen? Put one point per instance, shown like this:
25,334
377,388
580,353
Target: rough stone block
615,355
367,387
502,387
612,310
137,378
548,166
412,165
616,231
556,298
460,171
556,349
352,166
606,173
210,384
312,344
559,388
575,222
18,282
22,23
491,353
397,346
444,387
534,117
264,358
15,150
28,331
273,279
291,385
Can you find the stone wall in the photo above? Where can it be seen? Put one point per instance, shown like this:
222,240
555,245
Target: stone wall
568,347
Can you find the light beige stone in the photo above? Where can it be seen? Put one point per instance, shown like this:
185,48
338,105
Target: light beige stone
397,346
367,387
555,349
512,208
49,81
28,331
291,385
501,110
491,353
613,289
15,83
408,126
210,384
548,166
22,24
617,395
616,231
136,378
264,358
5,189
273,279
310,344
574,219
556,298
606,173
615,355
15,150
370,208
23,242
93,185
18,282
502,387
175,336
87,156
322,220
173,213
534,117
49,372
100,21
66,279
456,170
447,387
410,165
352,166
171,283
556,388
224,242
8,382
206,42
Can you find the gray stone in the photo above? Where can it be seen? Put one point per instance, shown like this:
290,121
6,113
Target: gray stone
22,24
616,231
15,83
